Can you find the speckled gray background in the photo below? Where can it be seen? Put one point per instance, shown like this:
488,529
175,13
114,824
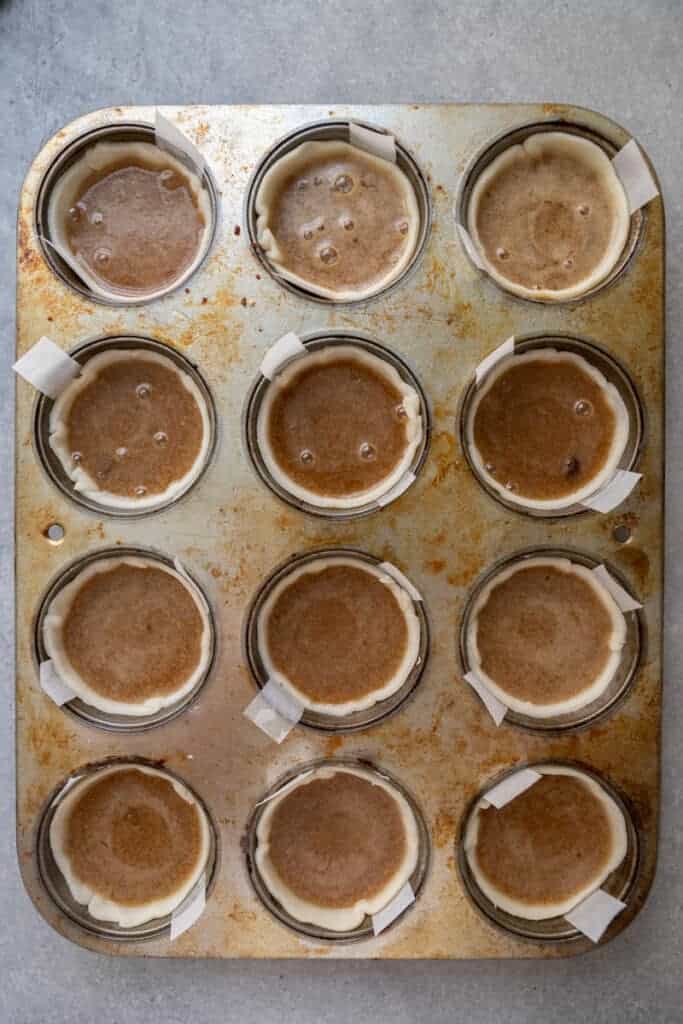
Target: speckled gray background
60,58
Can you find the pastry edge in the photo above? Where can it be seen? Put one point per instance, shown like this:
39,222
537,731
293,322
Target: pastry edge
333,353
338,919
102,908
289,164
83,481
590,693
537,911
373,697
52,638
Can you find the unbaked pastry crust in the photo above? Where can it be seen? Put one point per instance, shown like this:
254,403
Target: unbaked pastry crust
338,919
332,354
101,907
84,483
543,911
405,604
597,687
96,158
533,147
54,644
619,441
300,157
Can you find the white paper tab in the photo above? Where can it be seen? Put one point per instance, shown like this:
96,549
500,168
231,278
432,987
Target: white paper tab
384,917
613,493
68,784
377,143
397,490
401,579
53,685
81,271
513,786
487,364
286,788
286,348
495,707
192,908
635,175
594,915
169,137
47,367
274,711
622,597
469,246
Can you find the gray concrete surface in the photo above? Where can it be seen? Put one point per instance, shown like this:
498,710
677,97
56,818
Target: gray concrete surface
62,58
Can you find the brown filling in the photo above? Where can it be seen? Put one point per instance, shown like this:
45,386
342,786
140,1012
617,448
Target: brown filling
544,429
136,429
132,838
133,633
340,222
338,840
337,634
337,428
543,635
136,228
546,221
546,845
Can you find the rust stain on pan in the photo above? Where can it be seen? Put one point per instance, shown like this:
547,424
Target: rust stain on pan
443,533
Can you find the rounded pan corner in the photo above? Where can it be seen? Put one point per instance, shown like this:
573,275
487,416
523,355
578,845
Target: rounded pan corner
621,925
60,137
34,891
619,130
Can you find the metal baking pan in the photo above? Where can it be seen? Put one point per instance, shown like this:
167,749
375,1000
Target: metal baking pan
445,532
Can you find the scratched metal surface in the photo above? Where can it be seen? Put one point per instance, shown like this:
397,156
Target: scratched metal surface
442,533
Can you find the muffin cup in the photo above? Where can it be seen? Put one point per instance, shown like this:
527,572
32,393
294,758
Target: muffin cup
55,884
485,156
326,131
632,652
621,883
613,373
122,132
356,721
317,342
85,712
53,466
364,930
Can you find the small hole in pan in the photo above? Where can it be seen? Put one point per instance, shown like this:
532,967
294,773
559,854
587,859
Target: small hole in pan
622,533
54,533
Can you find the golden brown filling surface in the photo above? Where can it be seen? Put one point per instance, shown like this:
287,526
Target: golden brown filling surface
133,633
338,840
337,428
132,838
547,844
544,429
337,634
543,635
135,429
340,222
546,221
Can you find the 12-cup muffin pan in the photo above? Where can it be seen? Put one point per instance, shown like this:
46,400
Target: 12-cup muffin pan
232,532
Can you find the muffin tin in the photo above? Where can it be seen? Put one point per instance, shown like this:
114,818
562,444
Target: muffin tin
445,532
